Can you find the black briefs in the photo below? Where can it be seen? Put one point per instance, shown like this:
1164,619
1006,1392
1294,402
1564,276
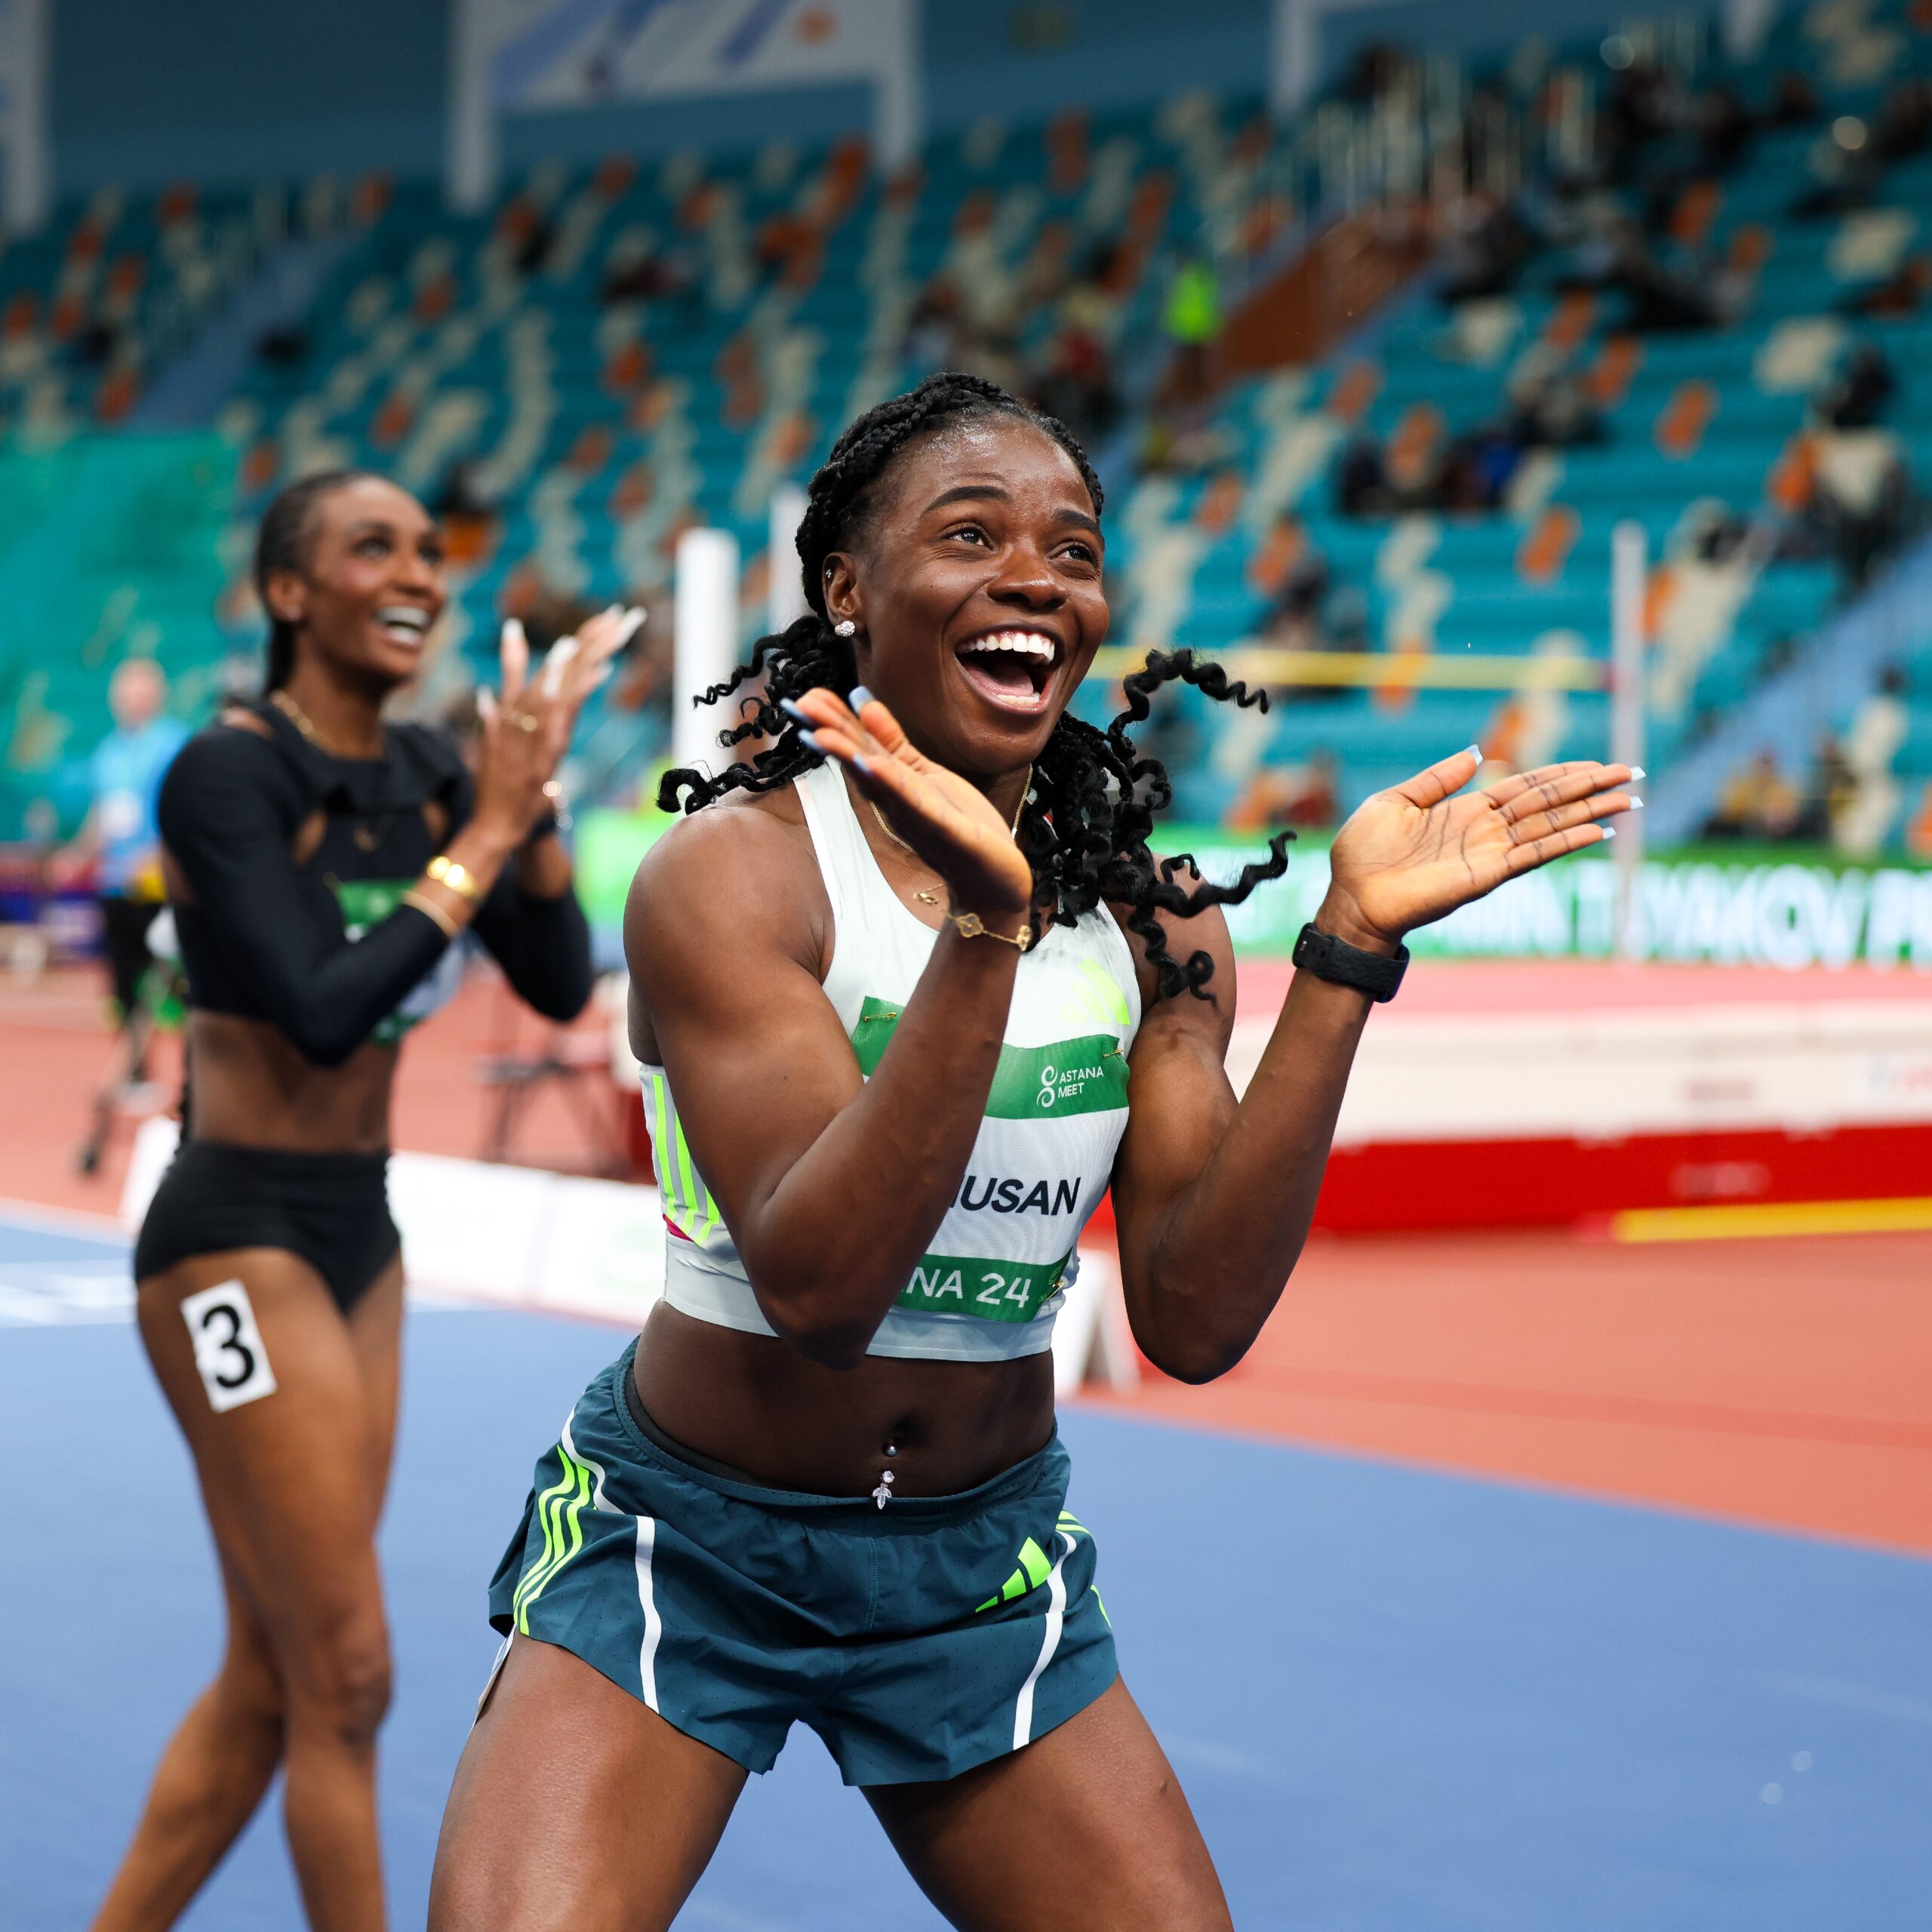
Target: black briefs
332,1210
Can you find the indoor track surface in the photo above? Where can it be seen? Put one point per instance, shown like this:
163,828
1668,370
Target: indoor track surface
1399,1700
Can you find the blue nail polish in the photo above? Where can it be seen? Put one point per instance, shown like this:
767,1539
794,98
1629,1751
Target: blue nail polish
810,739
860,696
792,710
860,765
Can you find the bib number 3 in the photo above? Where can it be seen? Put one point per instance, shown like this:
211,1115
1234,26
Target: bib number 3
228,1353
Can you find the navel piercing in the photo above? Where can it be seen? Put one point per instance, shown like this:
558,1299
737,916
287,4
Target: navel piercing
882,1492
846,628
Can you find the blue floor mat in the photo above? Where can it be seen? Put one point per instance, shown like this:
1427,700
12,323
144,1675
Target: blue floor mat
1400,1702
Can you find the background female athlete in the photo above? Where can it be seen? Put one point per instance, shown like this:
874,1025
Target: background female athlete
680,1575
320,862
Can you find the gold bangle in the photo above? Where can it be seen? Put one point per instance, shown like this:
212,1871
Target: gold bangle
430,909
970,925
456,876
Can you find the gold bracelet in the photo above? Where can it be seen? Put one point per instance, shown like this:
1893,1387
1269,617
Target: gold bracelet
453,874
970,925
430,909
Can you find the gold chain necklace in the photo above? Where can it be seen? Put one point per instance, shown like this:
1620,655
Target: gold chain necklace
303,723
1013,830
932,898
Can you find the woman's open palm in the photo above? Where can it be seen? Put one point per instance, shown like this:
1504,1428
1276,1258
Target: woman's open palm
948,822
1415,853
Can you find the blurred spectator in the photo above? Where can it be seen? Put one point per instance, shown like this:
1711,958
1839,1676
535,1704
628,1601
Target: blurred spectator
1725,127
1794,103
119,842
1662,300
1758,802
1856,398
1078,386
1894,297
1489,246
1297,578
1305,796
1902,126
466,505
1829,794
1192,320
1845,173
637,270
1861,501
1552,409
1360,489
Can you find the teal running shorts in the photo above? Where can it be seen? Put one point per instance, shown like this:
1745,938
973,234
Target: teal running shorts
918,1640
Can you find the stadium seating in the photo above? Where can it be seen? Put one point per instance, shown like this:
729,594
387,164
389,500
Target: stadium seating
1711,440
612,353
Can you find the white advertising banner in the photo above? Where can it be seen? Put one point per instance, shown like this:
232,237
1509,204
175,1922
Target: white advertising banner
527,56
557,53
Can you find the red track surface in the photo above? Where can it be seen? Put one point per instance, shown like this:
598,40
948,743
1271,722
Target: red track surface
1781,1382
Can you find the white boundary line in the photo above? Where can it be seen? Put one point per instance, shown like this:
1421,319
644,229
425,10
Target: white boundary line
65,1220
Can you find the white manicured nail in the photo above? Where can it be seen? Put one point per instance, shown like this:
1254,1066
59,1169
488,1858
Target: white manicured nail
1610,831
1474,752
1637,771
486,704
1636,804
633,620
513,631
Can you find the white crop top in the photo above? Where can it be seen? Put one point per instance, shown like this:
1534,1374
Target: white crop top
991,1284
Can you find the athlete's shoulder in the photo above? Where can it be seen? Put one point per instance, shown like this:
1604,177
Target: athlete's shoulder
235,745
738,841
742,867
226,771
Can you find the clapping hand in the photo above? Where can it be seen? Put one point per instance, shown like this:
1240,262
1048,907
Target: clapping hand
1415,853
947,822
526,731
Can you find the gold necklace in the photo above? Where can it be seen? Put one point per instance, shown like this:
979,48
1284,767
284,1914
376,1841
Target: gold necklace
1013,830
303,722
309,729
884,825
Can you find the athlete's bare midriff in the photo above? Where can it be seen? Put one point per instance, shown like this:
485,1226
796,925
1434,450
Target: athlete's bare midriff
250,1087
790,1422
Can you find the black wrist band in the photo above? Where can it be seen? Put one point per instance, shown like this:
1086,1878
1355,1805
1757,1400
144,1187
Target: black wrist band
1330,958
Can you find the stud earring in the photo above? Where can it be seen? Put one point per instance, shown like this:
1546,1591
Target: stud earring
846,628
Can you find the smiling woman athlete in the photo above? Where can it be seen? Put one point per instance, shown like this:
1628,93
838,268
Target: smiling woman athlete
320,863
827,1485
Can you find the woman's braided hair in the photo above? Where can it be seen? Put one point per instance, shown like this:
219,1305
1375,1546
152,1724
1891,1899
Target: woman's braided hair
1085,824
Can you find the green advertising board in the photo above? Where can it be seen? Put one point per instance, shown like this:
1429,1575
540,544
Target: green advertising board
1760,907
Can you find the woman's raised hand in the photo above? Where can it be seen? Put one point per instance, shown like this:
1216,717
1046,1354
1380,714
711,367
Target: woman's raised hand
1415,853
950,824
525,732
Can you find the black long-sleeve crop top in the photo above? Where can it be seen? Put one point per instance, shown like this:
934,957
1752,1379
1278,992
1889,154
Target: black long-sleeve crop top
323,949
